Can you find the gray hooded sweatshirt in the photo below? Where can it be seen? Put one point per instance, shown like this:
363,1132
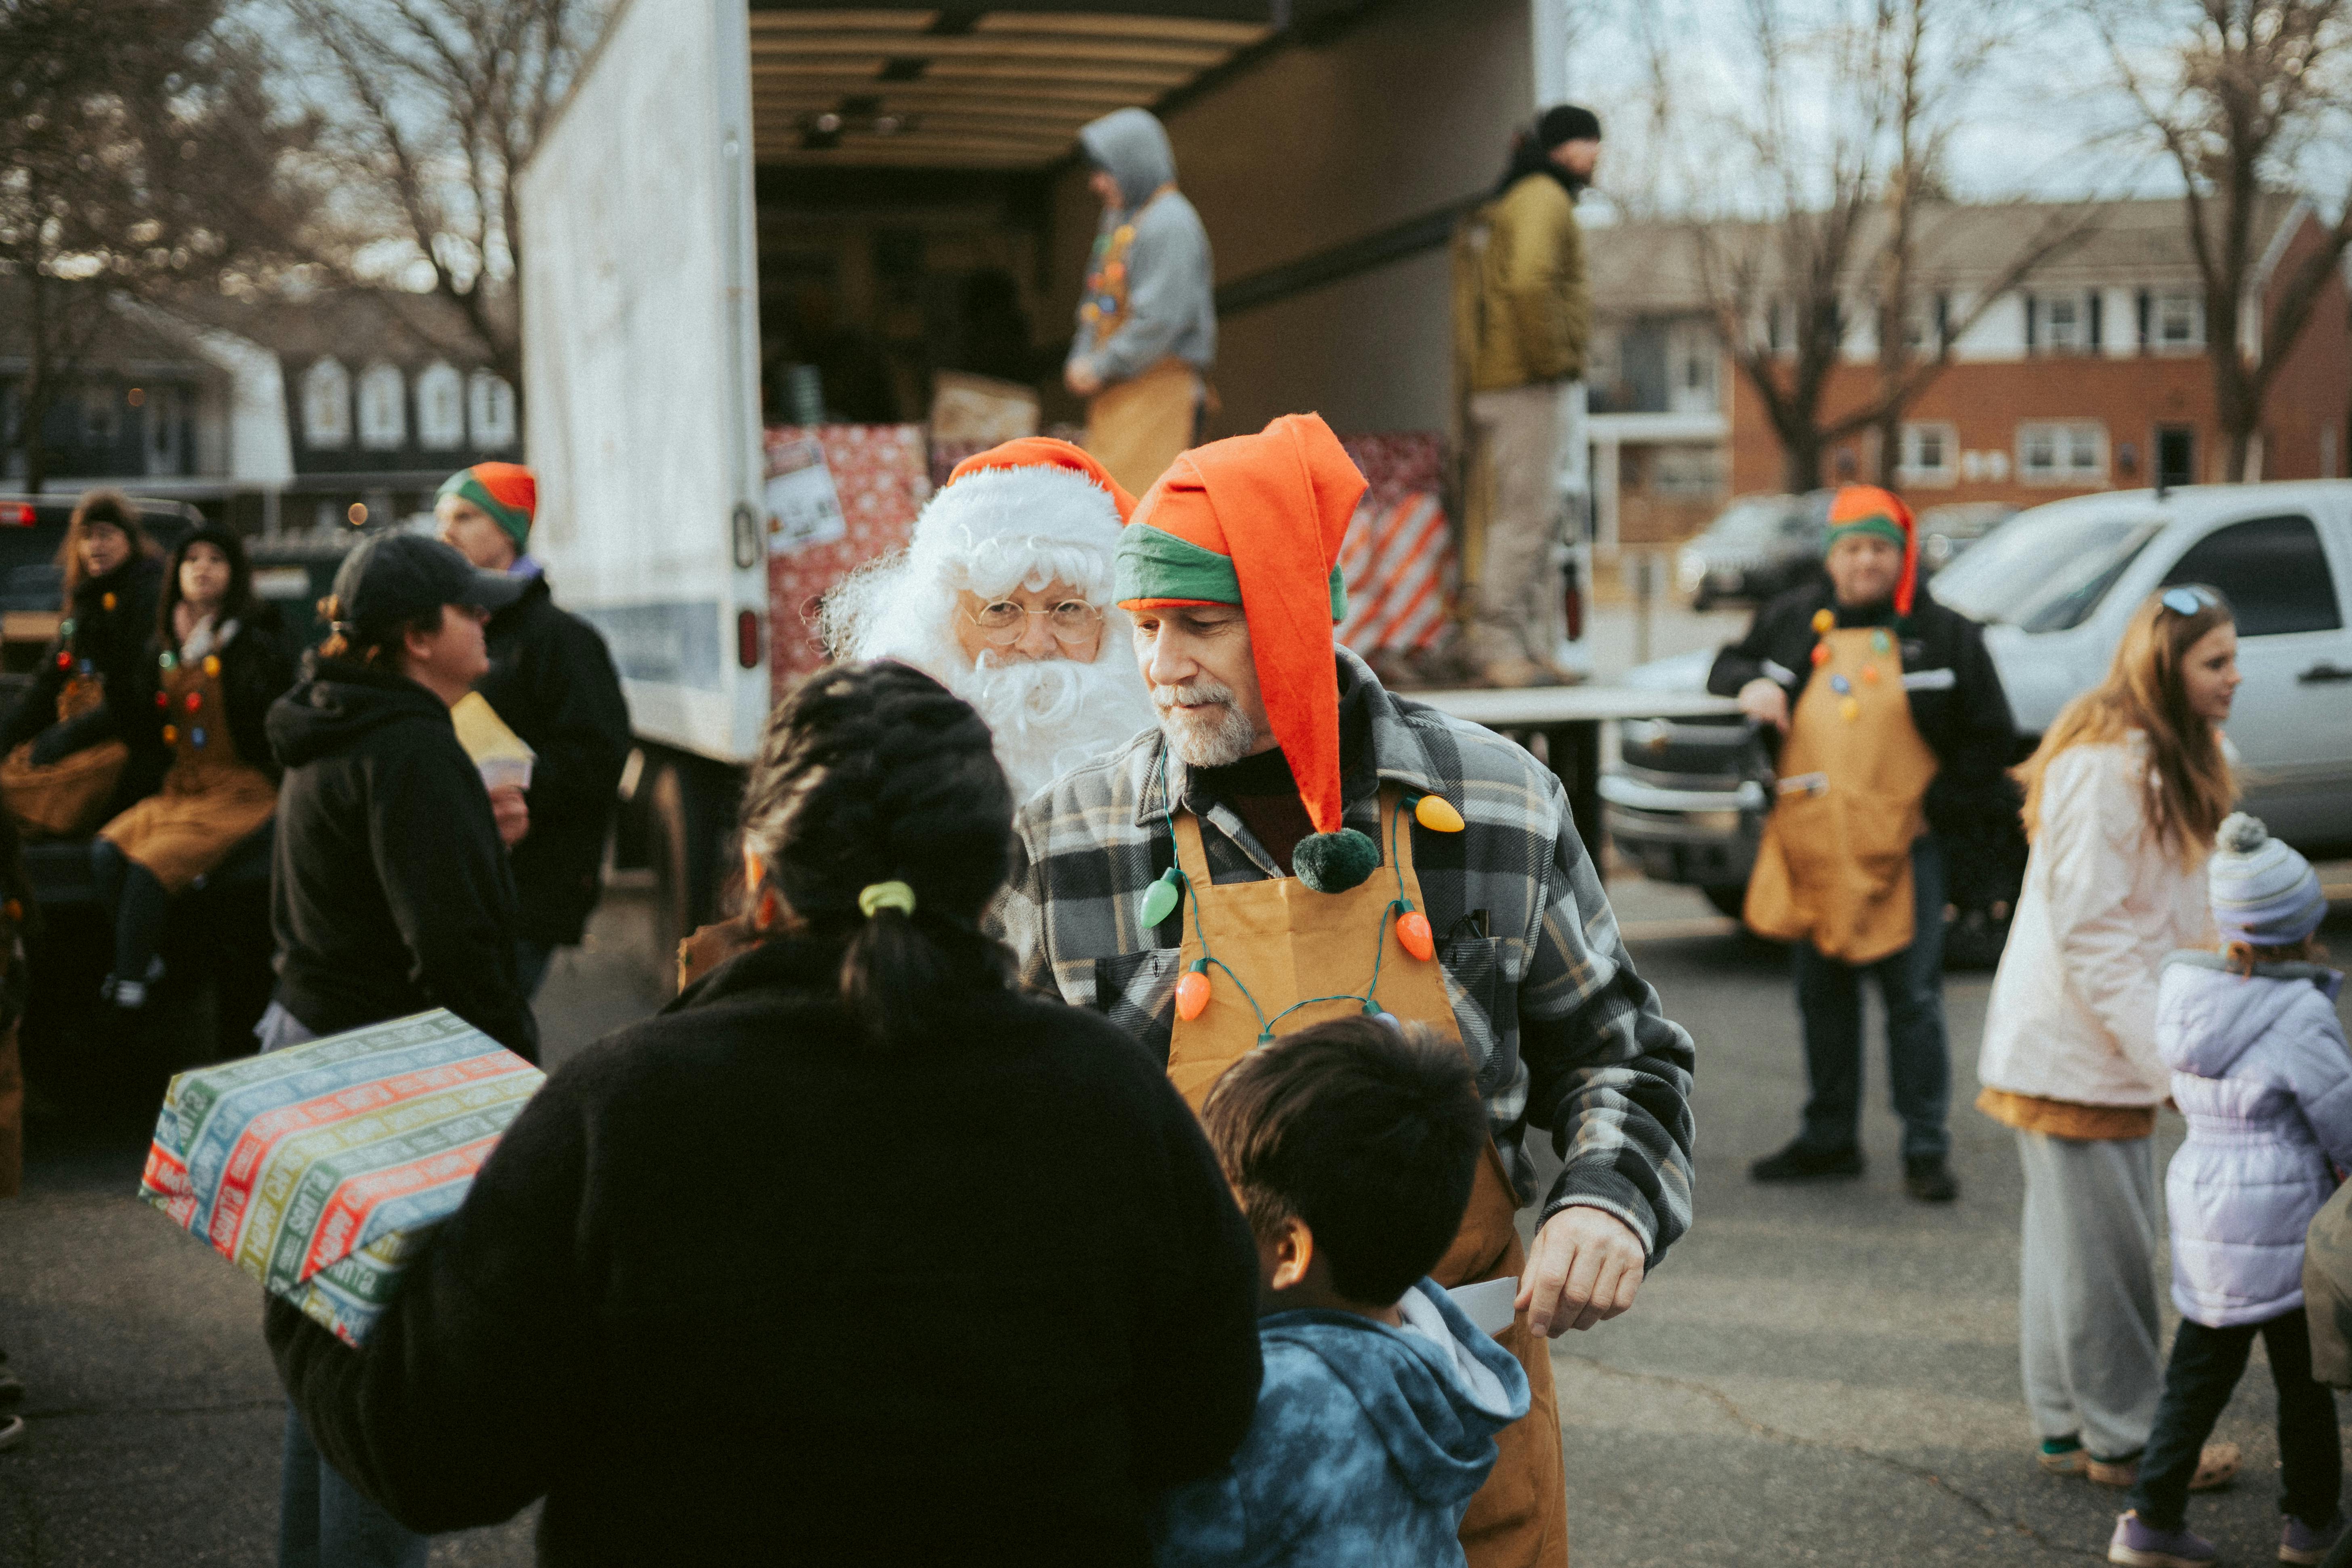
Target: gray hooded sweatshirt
1171,307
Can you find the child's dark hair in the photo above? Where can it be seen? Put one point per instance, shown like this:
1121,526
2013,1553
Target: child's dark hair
872,773
1369,1135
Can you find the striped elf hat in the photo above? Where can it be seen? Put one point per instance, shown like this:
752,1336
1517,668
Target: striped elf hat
1866,508
1256,522
509,492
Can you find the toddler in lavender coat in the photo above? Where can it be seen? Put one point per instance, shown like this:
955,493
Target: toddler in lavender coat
2260,1071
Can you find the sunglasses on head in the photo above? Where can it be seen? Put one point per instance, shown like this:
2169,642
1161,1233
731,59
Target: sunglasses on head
2188,601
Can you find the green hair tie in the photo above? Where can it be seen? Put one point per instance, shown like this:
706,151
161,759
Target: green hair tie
879,896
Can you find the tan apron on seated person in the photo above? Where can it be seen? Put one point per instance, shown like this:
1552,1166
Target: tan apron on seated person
67,798
1834,865
212,798
1288,942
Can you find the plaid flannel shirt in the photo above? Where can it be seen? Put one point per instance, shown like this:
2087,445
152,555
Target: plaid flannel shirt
1561,1029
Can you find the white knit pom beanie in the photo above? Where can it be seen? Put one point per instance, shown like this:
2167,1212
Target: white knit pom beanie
2264,894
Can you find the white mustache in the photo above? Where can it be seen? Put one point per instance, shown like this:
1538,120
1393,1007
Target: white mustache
1206,691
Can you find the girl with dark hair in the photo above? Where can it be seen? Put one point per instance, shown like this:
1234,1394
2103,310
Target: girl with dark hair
63,741
217,662
910,1266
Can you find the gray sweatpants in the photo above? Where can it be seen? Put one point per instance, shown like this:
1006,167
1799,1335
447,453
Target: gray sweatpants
1533,439
2087,1321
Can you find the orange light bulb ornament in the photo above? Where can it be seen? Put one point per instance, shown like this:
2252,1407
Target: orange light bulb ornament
1192,992
1414,935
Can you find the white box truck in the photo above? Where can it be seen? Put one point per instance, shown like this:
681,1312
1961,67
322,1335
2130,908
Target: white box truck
735,186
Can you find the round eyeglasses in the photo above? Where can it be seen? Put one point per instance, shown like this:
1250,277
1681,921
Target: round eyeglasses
1005,623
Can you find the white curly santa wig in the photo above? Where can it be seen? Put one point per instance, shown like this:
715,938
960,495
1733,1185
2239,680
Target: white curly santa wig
1023,515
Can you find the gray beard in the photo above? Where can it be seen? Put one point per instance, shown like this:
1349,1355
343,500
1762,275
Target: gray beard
1216,743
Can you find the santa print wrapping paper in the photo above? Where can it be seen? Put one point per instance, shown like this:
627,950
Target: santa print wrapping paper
882,474
320,1169
1397,560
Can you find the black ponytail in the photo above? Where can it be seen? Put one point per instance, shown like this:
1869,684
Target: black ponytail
873,774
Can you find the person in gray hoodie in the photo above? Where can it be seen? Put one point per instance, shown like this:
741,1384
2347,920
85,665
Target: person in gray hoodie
2259,1069
1148,321
1352,1147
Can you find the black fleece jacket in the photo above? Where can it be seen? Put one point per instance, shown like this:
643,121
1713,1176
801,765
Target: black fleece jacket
969,1302
114,640
1956,702
552,681
388,887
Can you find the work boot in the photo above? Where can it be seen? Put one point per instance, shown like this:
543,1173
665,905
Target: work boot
1800,1163
1928,1178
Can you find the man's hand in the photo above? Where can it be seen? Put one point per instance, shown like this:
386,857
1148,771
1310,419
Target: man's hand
1080,378
1585,1268
1763,701
513,816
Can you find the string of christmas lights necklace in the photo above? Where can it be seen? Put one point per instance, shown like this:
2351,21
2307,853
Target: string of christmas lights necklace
1413,932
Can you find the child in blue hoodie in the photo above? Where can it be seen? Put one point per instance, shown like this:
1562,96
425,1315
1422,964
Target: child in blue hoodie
1352,1147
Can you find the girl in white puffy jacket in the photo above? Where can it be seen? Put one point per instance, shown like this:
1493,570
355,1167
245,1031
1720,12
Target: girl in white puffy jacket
2259,1069
2122,799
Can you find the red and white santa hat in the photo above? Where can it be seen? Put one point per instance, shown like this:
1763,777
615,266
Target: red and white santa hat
1031,511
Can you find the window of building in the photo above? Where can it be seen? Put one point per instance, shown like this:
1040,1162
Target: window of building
383,408
101,421
2272,569
2064,454
440,409
1685,471
326,404
2064,327
491,411
1930,454
2178,321
1691,360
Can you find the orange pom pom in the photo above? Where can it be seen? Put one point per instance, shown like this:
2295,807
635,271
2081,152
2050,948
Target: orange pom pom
1821,653
1870,674
170,734
1192,995
1417,939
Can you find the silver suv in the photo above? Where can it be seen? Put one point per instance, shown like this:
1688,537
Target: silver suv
2053,587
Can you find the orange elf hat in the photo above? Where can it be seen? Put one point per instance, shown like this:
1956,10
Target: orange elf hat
1866,508
1257,521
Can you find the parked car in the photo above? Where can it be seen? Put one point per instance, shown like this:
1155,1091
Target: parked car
2053,587
1946,530
1759,546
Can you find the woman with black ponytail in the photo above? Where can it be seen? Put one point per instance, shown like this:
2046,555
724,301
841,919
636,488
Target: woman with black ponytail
905,1264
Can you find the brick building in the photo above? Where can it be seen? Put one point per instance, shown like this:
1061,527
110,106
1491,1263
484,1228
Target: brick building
2092,375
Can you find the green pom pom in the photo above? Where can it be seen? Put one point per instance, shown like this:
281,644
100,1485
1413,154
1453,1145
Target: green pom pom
1335,862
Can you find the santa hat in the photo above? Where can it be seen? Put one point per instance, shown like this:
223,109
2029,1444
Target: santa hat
507,492
1866,508
1026,501
1256,522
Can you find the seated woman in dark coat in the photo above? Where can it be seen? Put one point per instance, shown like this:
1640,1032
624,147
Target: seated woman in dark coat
63,772
195,718
907,1266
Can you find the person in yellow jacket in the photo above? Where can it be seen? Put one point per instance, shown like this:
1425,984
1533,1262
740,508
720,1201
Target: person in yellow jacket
1521,336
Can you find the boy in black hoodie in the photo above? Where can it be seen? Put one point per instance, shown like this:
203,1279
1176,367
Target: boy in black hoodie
388,892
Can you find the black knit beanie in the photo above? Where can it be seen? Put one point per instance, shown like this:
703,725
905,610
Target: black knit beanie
1567,122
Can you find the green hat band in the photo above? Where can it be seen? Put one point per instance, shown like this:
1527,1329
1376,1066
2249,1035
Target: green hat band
1879,524
513,521
1153,564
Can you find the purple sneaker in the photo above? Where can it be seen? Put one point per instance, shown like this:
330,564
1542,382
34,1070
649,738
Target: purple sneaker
2298,1542
2145,1546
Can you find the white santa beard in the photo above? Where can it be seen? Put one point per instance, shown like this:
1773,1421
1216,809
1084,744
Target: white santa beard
1049,715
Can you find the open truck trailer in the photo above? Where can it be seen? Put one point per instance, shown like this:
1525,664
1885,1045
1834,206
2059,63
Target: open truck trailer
755,235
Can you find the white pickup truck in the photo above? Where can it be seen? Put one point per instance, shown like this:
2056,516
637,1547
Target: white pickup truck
718,161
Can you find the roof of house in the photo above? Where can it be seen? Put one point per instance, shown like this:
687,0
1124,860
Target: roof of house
1651,266
360,326
121,343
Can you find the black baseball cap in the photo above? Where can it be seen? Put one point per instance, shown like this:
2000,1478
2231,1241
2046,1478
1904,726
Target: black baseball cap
395,577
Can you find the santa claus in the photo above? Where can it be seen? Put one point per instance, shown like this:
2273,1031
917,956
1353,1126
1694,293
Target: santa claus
1003,596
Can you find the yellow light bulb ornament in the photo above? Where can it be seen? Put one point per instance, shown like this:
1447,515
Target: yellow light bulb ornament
1437,814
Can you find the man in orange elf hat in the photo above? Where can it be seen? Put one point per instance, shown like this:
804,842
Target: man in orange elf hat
1004,596
1897,735
1293,843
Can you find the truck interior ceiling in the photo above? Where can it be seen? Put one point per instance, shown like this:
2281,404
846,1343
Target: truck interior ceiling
917,175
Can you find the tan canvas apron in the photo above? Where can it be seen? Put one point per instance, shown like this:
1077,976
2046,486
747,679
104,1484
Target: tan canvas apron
68,797
1136,429
1288,942
1834,865
212,799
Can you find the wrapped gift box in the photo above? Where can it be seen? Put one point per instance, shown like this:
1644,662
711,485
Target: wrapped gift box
320,1169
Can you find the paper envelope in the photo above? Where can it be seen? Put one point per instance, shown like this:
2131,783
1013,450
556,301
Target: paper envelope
503,756
320,1169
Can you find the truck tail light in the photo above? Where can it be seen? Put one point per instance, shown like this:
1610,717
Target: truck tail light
747,638
16,514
